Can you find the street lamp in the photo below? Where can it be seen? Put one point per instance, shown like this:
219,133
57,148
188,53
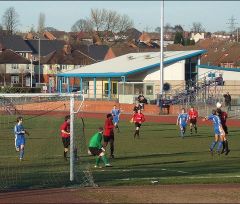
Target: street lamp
39,66
161,48
31,71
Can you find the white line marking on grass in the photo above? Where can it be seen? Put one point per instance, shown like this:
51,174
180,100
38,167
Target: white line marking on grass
184,177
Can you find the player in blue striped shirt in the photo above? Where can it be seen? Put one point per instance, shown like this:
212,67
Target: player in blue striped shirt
116,116
219,133
20,132
182,122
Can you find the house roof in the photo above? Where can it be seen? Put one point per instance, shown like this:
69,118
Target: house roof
46,46
130,64
133,34
10,57
97,52
15,43
76,57
231,55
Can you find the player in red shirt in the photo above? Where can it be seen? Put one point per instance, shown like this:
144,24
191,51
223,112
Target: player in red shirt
108,134
223,117
138,119
65,134
193,114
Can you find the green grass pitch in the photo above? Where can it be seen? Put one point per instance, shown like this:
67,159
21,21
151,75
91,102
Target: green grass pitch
159,156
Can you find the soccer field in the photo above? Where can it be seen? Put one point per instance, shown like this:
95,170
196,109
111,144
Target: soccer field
160,156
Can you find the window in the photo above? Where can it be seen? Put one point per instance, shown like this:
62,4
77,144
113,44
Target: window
64,80
85,87
14,66
64,67
149,90
14,79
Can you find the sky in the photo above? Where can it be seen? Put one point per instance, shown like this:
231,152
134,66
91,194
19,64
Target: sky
214,15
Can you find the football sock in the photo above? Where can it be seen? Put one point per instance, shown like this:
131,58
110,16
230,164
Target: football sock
21,153
223,145
137,133
191,130
97,160
195,129
181,133
104,158
213,145
219,146
65,154
226,144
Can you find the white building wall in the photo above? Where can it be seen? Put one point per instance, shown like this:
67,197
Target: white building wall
227,75
175,71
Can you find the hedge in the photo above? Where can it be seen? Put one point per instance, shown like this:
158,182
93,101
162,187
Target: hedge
10,89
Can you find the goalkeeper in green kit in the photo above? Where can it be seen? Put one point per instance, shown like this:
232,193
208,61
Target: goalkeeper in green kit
95,148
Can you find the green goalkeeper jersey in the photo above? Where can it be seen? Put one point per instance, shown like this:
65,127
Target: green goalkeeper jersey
96,140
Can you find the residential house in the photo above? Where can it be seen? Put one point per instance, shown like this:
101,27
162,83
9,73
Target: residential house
231,57
17,44
197,36
60,61
15,70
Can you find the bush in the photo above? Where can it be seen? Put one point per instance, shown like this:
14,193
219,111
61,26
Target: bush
10,89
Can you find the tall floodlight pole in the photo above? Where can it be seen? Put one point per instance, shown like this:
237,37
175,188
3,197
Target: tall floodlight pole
39,66
161,48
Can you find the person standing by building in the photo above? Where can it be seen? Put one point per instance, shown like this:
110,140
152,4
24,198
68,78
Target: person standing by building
228,101
108,134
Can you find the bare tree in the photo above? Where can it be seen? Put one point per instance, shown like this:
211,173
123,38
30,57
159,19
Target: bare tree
124,23
41,23
82,25
197,27
157,29
111,20
97,18
10,20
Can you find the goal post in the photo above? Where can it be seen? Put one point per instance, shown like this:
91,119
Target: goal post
43,114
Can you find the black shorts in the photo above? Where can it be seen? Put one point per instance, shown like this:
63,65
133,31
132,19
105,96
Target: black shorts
225,128
66,141
138,124
193,121
108,138
95,151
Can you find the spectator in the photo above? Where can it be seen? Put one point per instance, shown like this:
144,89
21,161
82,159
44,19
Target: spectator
142,100
228,99
136,108
219,80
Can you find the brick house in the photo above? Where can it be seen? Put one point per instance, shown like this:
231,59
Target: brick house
15,70
61,61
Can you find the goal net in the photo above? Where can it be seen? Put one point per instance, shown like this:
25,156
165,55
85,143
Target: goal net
44,164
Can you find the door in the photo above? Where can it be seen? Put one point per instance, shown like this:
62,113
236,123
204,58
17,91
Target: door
114,89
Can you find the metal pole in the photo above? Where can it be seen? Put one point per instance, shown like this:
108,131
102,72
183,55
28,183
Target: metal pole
31,72
71,137
39,71
161,49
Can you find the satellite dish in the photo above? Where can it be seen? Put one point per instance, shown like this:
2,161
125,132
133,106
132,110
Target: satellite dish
166,87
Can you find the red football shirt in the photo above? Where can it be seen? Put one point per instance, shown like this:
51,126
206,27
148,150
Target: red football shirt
138,118
193,114
108,127
66,127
